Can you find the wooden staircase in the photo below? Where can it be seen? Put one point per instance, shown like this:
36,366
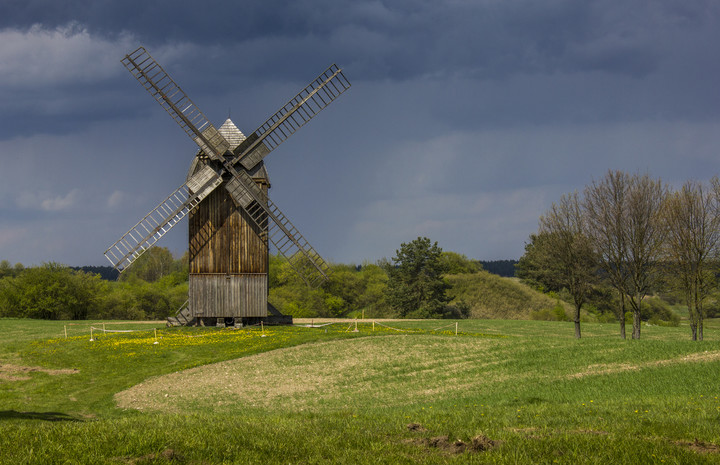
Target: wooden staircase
183,317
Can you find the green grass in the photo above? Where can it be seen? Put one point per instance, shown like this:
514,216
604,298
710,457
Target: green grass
311,396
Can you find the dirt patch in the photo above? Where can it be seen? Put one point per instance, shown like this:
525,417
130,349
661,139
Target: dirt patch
700,446
480,443
416,427
11,372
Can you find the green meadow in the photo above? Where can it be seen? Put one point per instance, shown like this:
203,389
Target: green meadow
398,392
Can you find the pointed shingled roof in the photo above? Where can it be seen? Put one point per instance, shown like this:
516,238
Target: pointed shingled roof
231,133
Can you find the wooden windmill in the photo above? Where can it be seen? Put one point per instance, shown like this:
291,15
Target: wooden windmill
232,220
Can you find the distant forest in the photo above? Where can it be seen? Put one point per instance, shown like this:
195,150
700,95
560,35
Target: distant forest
108,273
505,268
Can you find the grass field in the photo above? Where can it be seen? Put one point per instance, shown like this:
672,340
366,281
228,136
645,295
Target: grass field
498,392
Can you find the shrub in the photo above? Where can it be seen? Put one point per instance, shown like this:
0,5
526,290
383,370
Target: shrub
656,309
557,313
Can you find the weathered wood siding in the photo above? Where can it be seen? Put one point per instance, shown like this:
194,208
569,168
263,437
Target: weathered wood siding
221,295
223,239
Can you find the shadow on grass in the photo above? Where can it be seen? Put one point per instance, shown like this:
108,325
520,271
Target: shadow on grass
44,416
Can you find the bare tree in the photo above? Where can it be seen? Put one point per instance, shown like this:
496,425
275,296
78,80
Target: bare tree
624,218
605,205
693,236
568,252
646,234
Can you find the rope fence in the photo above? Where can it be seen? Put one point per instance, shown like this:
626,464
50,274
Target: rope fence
375,322
96,328
101,327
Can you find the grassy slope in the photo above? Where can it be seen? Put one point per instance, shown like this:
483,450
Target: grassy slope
492,296
548,397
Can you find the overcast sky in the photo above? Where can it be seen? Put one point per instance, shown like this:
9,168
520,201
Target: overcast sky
465,121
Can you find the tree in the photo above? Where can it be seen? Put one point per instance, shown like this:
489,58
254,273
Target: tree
51,291
533,267
693,236
455,263
566,251
646,233
561,256
154,264
624,223
415,286
7,270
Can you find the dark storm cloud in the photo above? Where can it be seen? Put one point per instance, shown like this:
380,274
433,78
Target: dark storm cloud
623,56
396,39
465,120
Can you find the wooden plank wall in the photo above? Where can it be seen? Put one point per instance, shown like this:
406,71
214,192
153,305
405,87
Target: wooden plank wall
223,239
219,295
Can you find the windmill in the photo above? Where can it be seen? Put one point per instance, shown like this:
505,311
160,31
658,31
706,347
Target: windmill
232,221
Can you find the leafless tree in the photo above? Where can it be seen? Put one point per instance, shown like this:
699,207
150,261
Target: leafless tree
568,251
693,236
646,233
624,218
605,205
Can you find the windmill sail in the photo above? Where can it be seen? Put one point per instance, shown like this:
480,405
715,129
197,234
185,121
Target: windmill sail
291,117
282,233
162,218
174,100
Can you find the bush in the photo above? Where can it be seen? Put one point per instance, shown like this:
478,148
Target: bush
459,310
654,309
608,317
712,308
545,314
557,313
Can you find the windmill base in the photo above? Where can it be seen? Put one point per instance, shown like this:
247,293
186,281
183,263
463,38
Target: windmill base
241,322
274,318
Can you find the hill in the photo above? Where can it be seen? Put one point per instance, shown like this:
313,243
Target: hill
495,297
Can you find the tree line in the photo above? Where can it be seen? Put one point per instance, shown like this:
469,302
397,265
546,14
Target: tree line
411,284
153,288
627,237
